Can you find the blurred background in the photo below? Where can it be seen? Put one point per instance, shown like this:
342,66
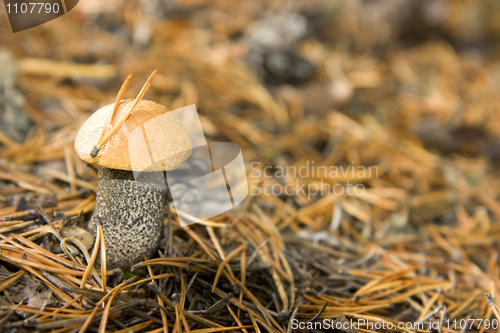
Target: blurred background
408,86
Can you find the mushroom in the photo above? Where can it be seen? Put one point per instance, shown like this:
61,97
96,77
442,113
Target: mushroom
131,212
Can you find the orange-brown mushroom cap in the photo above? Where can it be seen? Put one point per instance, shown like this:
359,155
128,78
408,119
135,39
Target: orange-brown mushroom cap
141,143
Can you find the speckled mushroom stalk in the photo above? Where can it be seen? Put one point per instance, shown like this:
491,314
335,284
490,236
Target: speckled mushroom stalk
131,216
131,211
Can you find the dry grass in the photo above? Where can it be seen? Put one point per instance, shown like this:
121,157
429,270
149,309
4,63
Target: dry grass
421,243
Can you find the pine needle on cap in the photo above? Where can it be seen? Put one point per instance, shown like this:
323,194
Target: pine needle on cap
119,96
115,129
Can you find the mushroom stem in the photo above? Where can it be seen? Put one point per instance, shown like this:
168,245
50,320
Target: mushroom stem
131,216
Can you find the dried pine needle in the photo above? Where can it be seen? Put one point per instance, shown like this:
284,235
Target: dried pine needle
112,132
